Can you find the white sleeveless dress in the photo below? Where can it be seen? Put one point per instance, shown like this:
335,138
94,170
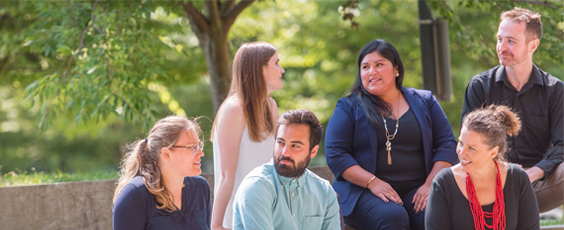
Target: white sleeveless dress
251,155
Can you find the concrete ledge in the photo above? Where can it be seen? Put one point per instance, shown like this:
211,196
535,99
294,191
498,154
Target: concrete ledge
75,205
80,205
553,227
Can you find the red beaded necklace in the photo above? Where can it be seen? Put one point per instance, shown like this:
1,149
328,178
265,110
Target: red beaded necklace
498,214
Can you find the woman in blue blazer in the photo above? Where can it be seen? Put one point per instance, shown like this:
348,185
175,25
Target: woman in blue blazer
385,143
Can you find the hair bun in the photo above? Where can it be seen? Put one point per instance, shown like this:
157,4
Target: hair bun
507,118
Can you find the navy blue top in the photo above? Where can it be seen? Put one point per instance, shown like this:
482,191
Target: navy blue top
407,170
136,208
349,140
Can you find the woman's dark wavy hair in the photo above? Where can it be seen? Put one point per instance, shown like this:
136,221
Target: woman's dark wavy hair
372,104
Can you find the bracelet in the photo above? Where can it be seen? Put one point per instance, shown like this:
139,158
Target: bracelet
371,179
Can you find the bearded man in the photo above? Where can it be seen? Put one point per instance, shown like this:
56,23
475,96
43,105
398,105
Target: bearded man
284,194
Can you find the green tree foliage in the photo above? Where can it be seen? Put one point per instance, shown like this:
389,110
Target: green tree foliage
478,40
108,56
141,61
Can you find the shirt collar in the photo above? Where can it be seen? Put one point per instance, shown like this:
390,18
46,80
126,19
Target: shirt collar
289,181
535,78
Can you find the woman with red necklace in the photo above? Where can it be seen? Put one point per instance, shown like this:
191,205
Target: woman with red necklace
483,191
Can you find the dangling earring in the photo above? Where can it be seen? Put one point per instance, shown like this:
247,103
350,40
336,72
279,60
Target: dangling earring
397,74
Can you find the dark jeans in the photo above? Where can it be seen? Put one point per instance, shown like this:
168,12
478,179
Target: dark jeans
371,212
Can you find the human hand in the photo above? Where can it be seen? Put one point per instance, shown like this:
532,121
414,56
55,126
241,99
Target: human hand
385,191
534,173
420,198
219,228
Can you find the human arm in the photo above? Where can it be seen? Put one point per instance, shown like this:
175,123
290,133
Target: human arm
339,140
444,143
129,209
534,173
474,97
332,218
443,149
443,146
528,217
420,198
437,216
230,126
555,155
360,177
253,205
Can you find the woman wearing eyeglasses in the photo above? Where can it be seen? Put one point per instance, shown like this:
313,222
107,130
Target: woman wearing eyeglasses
244,126
159,186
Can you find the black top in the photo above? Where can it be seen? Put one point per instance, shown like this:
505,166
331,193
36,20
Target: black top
136,208
407,170
449,209
540,104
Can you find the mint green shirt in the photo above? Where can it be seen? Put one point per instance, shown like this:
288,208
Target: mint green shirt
266,200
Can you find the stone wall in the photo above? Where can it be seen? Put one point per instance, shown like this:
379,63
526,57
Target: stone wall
66,206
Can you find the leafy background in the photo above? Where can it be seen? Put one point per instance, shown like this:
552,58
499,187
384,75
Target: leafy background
67,107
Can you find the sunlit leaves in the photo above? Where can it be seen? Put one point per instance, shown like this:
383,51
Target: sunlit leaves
123,50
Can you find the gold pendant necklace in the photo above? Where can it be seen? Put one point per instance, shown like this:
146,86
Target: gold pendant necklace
391,137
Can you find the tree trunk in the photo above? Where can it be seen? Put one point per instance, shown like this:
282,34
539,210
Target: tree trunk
218,59
212,29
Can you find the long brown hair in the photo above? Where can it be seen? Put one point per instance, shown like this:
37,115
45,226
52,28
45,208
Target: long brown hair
249,86
142,157
373,105
494,123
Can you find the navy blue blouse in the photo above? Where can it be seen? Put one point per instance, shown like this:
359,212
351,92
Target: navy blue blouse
136,208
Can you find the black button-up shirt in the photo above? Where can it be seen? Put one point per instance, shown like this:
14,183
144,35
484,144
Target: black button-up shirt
539,104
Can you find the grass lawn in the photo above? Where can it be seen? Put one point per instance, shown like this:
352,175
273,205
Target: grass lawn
551,222
36,178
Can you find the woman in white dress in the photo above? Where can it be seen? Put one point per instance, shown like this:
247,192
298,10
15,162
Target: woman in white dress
243,132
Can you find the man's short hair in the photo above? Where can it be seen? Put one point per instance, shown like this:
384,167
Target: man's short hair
531,18
303,117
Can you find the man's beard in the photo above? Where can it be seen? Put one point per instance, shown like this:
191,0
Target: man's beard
292,170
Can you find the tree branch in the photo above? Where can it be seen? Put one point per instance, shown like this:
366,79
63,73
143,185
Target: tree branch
106,55
81,45
537,3
213,13
225,6
196,17
501,5
234,12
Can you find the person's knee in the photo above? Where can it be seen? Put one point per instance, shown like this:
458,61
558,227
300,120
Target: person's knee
560,172
386,216
394,215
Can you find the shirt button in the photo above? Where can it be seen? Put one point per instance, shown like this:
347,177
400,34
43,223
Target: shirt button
292,194
294,215
283,182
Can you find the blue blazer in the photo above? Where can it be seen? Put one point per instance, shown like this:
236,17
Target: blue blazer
351,140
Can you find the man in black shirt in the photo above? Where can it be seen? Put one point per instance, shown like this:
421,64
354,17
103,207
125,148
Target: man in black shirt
535,95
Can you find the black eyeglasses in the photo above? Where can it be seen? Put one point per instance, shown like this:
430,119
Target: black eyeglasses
194,148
